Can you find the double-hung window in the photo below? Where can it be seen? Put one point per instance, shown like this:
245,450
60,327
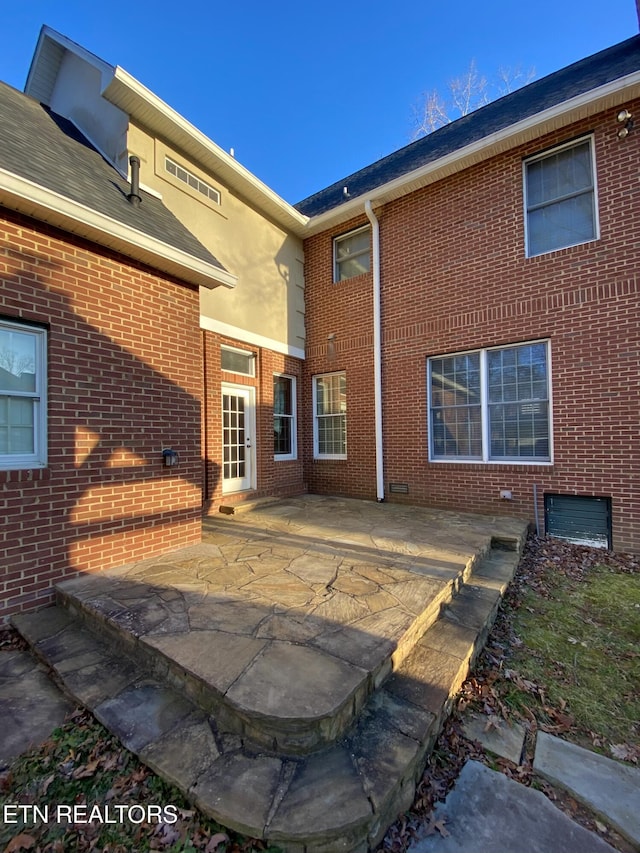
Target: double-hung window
330,416
351,254
284,417
23,404
560,198
491,405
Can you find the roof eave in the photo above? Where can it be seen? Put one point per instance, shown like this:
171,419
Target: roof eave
23,196
560,115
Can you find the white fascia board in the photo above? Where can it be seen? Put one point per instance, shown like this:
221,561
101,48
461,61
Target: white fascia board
228,167
492,144
37,201
251,338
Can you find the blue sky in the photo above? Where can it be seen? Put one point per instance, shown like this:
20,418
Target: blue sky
307,93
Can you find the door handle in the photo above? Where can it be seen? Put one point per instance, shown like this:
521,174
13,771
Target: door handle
248,442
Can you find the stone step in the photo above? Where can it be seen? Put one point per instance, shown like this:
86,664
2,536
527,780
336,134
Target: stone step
340,798
263,688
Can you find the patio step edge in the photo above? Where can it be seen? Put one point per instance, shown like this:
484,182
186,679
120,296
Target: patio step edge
342,798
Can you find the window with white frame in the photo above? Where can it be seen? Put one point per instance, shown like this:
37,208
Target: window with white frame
284,417
330,416
491,405
351,254
23,405
560,198
238,361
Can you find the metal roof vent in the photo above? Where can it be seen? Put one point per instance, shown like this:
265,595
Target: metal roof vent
134,196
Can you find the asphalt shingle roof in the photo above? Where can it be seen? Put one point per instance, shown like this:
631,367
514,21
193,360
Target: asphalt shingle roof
48,150
577,79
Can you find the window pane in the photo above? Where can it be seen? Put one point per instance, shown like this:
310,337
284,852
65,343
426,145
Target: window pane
356,243
17,425
331,394
331,419
518,410
352,255
560,199
237,362
282,435
563,223
352,267
17,361
282,399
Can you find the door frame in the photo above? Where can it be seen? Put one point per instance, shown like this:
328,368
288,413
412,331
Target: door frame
249,394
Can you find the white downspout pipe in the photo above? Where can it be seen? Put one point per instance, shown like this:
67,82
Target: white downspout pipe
377,349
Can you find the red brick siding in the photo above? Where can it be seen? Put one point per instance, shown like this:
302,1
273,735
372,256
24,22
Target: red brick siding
455,277
124,381
280,478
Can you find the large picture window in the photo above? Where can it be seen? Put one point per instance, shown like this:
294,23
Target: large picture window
284,417
560,198
330,416
491,405
23,408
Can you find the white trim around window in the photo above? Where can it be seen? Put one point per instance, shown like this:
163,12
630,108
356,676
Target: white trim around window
560,197
240,361
23,396
330,416
352,254
491,405
285,426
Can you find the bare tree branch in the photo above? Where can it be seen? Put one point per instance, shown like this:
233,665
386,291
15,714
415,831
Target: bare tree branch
464,94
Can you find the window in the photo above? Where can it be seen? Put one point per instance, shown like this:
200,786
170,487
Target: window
284,417
191,180
560,198
491,405
351,254
23,405
330,416
238,361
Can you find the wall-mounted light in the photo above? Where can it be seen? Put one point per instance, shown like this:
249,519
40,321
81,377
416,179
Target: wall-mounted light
170,457
331,347
625,118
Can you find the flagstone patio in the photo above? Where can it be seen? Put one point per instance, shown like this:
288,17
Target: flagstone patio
290,673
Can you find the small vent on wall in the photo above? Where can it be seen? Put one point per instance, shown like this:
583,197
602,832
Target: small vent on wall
399,488
191,180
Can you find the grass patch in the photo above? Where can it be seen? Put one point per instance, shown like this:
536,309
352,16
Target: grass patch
583,645
576,661
82,764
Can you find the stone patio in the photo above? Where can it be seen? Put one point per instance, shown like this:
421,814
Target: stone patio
290,673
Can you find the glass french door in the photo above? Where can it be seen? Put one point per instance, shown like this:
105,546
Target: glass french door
238,446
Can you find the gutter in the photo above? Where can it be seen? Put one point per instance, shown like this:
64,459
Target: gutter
574,109
377,350
34,200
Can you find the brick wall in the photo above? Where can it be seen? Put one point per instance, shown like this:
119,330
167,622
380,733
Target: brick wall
455,277
124,382
273,478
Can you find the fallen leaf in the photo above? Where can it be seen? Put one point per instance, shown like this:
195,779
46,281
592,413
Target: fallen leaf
439,825
215,841
623,751
20,842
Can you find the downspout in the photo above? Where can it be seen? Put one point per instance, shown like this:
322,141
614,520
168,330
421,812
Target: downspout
377,349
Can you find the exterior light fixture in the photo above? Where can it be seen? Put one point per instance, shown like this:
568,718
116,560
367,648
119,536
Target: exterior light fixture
625,118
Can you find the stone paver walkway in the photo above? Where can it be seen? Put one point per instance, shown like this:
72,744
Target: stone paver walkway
291,673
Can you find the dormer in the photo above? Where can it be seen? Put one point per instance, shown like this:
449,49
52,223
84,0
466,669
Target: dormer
71,81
